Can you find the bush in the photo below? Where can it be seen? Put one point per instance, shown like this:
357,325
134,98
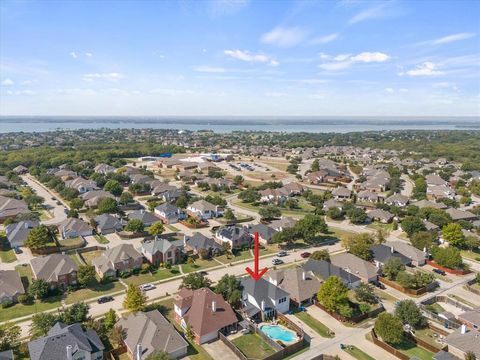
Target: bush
364,308
145,268
25,299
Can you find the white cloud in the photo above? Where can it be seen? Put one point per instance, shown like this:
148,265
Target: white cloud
324,39
368,57
284,37
341,57
452,38
8,82
88,54
73,54
275,94
389,90
403,90
209,69
113,76
343,61
26,82
250,57
370,13
441,85
426,69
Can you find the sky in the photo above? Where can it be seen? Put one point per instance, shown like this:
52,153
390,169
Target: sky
240,57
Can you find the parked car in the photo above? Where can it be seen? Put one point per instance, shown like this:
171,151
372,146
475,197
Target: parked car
440,272
54,198
58,203
104,299
305,254
380,285
17,250
277,261
282,254
147,287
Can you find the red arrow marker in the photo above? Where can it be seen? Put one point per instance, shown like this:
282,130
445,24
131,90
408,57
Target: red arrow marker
255,274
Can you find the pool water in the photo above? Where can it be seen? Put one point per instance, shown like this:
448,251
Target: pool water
276,332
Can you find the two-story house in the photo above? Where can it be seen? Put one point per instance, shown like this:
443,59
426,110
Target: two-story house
160,251
116,260
59,270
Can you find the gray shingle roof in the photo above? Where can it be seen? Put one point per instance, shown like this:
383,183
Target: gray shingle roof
382,253
355,265
323,270
10,284
291,280
470,341
262,290
107,221
17,233
199,241
50,267
154,246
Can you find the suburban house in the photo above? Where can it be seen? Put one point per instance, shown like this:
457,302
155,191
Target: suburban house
457,214
146,332
59,270
104,169
11,286
416,256
236,236
160,251
198,242
147,218
10,208
397,200
440,192
81,185
67,342
365,270
462,341
283,223
471,318
116,260
73,227
381,215
381,253
204,210
293,188
17,233
341,194
265,233
435,180
65,174
93,197
7,355
20,169
367,196
169,214
161,187
300,284
274,195
332,204
427,203
263,299
108,224
323,270
205,312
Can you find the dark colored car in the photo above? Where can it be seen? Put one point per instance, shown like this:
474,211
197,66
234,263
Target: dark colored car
305,254
17,250
105,299
440,272
380,285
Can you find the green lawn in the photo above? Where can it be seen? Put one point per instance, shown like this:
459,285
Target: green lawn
7,255
473,255
71,242
462,300
101,239
253,346
384,295
240,255
25,271
314,324
412,350
171,228
435,308
19,310
160,274
429,336
199,265
94,291
76,259
357,353
378,225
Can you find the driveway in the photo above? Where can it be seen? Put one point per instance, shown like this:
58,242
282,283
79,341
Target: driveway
218,350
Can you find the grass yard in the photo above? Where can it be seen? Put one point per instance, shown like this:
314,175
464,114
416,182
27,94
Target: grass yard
171,228
19,310
160,274
378,225
241,255
472,255
428,336
76,259
357,353
199,265
314,324
412,350
90,255
75,242
435,308
384,295
7,255
252,346
95,291
462,300
101,239
25,271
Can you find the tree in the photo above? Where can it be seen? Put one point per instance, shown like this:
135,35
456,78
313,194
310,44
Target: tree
34,200
117,335
9,336
135,226
249,196
409,313
315,165
194,281
41,324
472,243
238,180
359,245
423,240
438,217
392,267
230,288
453,234
158,355
229,215
126,198
320,255
389,328
38,238
310,226
335,213
39,289
77,313
470,355
412,225
365,293
288,235
449,257
333,293
182,201
156,229
269,212
107,206
76,204
86,275
381,235
113,187
110,319
357,215
135,299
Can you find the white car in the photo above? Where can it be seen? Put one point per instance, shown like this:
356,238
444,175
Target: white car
147,287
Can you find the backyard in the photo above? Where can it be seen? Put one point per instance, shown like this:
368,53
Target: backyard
314,324
7,255
253,346
410,349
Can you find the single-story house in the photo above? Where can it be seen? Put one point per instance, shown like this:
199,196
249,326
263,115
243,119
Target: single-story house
104,169
381,215
462,341
11,286
146,217
81,185
381,253
471,318
197,242
457,214
323,270
416,256
17,233
10,208
365,270
283,223
265,233
108,224
92,198
397,200
341,193
73,227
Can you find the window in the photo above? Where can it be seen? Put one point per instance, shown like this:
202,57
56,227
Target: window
282,300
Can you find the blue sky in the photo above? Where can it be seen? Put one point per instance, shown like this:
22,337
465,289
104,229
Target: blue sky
240,57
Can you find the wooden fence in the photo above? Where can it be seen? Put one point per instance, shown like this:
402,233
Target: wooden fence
470,288
232,347
354,319
447,270
397,286
387,347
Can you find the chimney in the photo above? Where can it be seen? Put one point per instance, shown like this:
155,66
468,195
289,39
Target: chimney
139,352
391,249
26,225
463,329
263,305
69,352
304,276
214,306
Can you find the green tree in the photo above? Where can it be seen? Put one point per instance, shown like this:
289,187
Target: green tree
110,319
229,287
470,355
194,281
422,240
389,328
107,206
315,165
117,335
229,215
472,243
135,299
453,234
39,289
320,255
156,229
335,213
86,275
333,293
9,336
77,313
41,324
249,196
113,187
412,225
135,226
438,217
269,212
410,313
365,293
357,215
392,267
288,236
310,226
126,198
38,238
76,204
449,257
359,245
238,180
158,355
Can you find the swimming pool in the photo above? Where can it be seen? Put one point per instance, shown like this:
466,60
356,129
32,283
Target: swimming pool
277,332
